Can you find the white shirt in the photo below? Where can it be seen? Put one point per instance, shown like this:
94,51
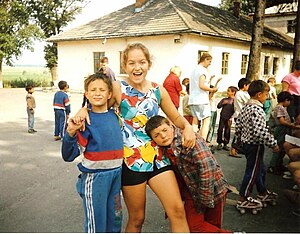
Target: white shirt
198,96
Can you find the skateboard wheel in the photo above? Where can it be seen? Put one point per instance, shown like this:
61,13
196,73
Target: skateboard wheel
254,211
265,204
273,203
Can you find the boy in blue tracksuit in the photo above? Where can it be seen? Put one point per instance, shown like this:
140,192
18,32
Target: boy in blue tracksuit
101,143
61,105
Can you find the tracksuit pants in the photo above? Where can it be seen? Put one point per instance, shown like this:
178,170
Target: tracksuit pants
60,122
100,193
255,172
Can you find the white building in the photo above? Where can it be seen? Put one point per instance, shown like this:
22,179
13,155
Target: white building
176,33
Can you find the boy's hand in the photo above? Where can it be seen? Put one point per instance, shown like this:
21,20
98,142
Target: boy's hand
276,149
74,126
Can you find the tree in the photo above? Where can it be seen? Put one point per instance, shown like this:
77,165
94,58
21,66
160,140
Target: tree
256,42
296,54
16,32
52,16
247,6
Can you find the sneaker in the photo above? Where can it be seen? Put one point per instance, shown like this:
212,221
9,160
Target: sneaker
287,173
34,130
295,187
296,212
30,131
57,138
219,147
287,177
225,147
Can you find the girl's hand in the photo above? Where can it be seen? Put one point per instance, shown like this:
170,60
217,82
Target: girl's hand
188,137
74,126
82,115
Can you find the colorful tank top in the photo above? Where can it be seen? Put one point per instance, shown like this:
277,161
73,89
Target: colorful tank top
140,152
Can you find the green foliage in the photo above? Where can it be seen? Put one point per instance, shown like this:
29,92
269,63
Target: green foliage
51,16
16,30
247,6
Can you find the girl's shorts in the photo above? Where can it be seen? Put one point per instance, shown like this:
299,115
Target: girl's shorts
201,111
130,177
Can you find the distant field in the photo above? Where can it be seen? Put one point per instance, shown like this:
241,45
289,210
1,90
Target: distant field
36,73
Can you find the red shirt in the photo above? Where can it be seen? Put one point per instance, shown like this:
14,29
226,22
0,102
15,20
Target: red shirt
173,87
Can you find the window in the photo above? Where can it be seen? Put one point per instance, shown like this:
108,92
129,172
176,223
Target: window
266,65
225,58
122,71
275,65
244,64
291,26
97,58
200,53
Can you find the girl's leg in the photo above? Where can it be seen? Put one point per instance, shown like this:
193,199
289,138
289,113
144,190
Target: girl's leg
195,124
163,185
135,200
204,127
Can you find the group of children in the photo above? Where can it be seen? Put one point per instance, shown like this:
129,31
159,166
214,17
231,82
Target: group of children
200,179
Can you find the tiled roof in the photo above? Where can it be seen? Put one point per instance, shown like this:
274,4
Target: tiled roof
162,17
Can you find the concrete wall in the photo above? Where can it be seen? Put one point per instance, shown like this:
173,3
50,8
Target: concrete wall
75,59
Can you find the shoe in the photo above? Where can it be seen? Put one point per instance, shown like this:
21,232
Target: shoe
219,146
287,177
234,155
34,130
57,138
287,173
295,187
30,131
225,147
296,212
292,196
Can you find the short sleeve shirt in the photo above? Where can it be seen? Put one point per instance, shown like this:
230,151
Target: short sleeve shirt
294,83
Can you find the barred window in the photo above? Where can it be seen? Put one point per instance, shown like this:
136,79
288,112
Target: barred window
225,59
97,58
244,63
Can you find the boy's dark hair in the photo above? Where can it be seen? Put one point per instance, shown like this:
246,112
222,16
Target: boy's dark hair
104,59
28,87
155,122
62,84
188,88
233,89
297,65
258,86
284,95
242,82
98,75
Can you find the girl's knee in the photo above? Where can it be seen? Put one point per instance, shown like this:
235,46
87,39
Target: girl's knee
177,211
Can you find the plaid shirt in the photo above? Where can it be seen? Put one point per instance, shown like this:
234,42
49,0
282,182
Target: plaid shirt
251,126
200,171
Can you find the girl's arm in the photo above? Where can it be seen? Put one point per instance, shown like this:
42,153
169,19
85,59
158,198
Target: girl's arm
285,86
204,87
188,135
283,122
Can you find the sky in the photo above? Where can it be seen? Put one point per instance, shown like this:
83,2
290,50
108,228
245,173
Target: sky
95,9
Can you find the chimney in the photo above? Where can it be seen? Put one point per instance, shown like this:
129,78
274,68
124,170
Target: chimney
141,4
236,8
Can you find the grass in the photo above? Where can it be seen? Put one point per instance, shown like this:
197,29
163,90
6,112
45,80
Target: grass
19,76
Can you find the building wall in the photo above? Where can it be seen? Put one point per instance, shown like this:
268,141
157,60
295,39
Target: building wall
75,59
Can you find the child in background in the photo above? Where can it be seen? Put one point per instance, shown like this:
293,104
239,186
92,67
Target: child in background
213,111
270,103
186,111
252,129
283,126
226,104
30,108
99,184
240,99
201,181
61,105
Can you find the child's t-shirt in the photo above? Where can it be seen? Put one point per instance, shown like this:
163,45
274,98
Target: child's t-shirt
281,111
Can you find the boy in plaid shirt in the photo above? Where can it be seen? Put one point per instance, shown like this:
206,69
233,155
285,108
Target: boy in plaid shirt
252,129
200,179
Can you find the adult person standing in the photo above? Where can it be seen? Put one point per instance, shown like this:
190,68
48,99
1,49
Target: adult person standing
291,83
173,86
199,95
138,99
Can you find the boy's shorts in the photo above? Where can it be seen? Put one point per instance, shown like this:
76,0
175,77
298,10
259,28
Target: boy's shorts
201,111
130,177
